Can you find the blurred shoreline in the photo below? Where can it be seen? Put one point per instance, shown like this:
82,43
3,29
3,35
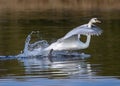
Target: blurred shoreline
59,5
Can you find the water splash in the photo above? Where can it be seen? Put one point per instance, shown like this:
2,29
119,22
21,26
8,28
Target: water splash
33,49
38,49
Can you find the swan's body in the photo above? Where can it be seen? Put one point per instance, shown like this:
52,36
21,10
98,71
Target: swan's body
72,43
71,40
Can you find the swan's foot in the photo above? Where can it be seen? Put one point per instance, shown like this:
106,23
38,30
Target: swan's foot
50,55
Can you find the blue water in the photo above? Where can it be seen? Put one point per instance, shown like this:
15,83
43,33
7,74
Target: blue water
60,82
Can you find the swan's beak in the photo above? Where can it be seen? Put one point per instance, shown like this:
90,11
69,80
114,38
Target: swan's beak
98,21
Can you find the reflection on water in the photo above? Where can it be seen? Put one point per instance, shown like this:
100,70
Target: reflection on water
42,67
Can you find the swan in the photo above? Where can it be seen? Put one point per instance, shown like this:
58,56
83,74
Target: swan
71,41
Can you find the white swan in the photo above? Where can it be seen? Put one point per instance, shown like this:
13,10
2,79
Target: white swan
71,40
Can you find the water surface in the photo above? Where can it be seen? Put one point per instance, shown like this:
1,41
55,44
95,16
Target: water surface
54,21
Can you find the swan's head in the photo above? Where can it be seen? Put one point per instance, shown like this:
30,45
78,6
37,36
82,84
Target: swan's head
93,29
94,20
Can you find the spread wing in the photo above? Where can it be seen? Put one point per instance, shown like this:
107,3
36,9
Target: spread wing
84,30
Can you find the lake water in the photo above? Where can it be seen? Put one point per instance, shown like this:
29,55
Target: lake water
53,21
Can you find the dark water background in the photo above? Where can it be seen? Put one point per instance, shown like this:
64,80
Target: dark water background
53,19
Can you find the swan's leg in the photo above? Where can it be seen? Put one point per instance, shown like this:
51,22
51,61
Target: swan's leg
50,55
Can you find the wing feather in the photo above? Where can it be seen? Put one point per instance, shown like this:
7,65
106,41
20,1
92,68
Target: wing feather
84,30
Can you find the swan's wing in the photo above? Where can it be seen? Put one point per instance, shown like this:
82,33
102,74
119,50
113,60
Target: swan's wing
71,40
84,30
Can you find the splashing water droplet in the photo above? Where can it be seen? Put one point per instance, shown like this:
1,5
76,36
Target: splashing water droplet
36,48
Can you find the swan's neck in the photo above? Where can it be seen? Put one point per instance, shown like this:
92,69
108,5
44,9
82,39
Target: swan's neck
88,40
90,24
